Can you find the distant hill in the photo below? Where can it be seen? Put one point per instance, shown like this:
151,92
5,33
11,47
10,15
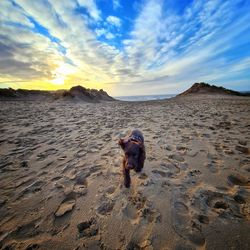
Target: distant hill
77,93
88,95
205,88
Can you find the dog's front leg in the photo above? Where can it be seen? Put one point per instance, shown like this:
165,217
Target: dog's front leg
126,176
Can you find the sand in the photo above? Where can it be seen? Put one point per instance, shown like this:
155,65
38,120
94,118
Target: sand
61,183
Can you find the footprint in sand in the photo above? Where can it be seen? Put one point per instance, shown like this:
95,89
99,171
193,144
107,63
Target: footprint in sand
185,139
245,165
138,200
138,207
43,155
176,157
81,177
150,214
25,231
194,172
240,199
172,169
168,148
183,246
31,189
222,204
71,174
236,179
203,219
88,228
80,153
181,148
32,246
182,220
133,205
106,207
56,178
134,245
243,143
243,149
160,173
144,180
213,166
96,169
110,190
80,189
47,164
130,212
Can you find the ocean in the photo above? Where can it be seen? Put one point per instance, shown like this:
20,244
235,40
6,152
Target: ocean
144,97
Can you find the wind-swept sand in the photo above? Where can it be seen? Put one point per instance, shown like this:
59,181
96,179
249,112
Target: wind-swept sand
61,184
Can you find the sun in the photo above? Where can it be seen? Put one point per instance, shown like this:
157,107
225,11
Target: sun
58,81
62,73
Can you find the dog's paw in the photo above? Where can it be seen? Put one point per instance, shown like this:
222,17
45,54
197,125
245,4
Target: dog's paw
127,185
138,170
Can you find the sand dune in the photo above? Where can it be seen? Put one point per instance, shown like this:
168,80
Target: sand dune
76,93
61,184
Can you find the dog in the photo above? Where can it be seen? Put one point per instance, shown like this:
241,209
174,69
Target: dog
134,154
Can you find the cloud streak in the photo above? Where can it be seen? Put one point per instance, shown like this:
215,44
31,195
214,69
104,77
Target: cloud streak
114,21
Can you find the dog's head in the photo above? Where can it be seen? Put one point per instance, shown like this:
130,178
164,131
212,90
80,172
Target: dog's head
134,154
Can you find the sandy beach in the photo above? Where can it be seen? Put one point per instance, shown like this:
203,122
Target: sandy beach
61,184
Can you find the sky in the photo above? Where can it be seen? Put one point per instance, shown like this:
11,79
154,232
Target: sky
125,47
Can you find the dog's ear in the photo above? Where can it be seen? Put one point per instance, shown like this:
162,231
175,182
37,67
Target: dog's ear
142,157
121,142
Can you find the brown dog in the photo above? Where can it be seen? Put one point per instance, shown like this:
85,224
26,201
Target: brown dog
135,155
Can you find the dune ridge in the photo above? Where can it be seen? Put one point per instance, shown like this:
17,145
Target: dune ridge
205,88
76,93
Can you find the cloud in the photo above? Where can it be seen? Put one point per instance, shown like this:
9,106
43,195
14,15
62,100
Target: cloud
109,35
91,7
100,32
104,32
12,15
114,21
185,47
22,54
116,4
163,46
88,55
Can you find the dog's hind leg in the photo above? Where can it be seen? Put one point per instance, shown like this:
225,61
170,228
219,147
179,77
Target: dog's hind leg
126,176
